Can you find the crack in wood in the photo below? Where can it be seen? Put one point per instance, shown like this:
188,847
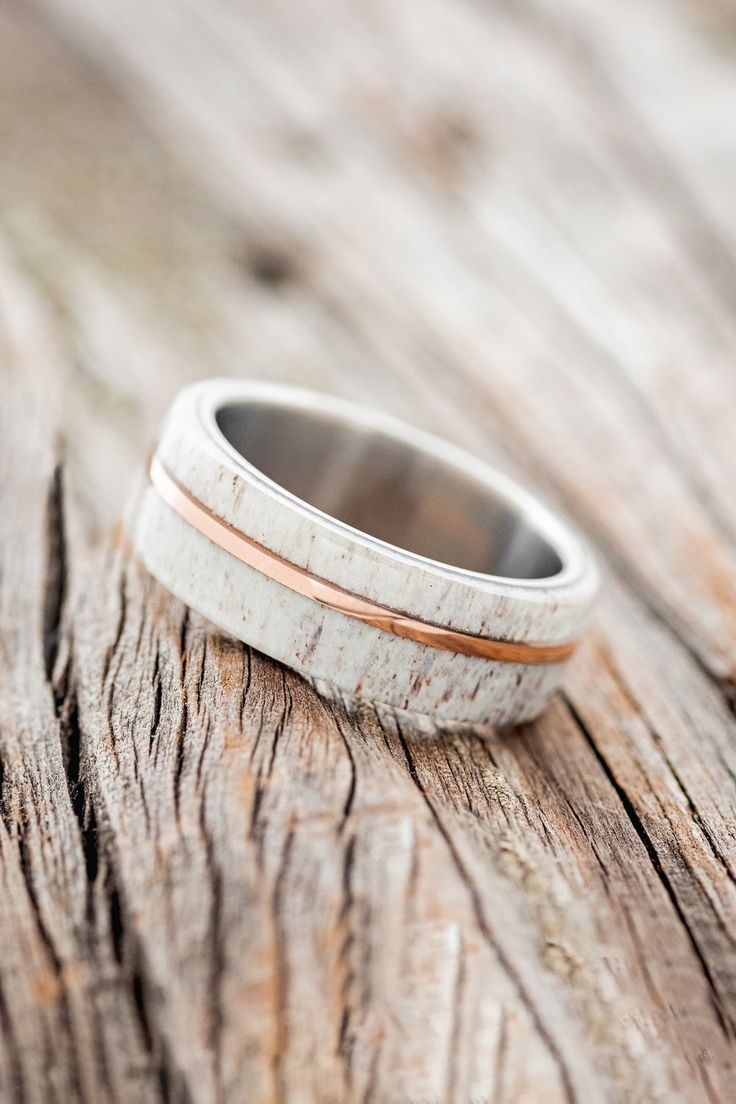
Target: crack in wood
55,581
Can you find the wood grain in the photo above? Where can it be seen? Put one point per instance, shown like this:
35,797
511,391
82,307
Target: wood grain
514,225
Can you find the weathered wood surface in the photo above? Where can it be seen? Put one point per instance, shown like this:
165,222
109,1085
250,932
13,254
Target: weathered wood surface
514,224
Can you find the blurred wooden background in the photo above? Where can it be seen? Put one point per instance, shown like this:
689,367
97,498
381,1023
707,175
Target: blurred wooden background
513,223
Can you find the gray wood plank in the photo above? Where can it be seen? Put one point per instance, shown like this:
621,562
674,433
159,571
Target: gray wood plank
512,226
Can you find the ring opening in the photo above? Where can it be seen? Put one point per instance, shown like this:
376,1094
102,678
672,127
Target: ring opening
387,489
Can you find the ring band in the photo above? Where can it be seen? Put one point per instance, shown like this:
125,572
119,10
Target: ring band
248,551
279,514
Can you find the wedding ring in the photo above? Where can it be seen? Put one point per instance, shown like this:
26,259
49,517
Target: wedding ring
375,559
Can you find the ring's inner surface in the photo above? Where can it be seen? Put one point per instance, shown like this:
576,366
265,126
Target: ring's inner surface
388,489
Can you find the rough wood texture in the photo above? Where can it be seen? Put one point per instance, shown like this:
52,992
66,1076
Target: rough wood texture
514,224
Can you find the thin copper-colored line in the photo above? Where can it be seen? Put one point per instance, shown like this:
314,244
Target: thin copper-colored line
298,579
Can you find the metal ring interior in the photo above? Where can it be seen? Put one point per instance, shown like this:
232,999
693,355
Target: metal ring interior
378,484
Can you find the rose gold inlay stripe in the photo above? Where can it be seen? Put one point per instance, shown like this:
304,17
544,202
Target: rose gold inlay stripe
250,552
